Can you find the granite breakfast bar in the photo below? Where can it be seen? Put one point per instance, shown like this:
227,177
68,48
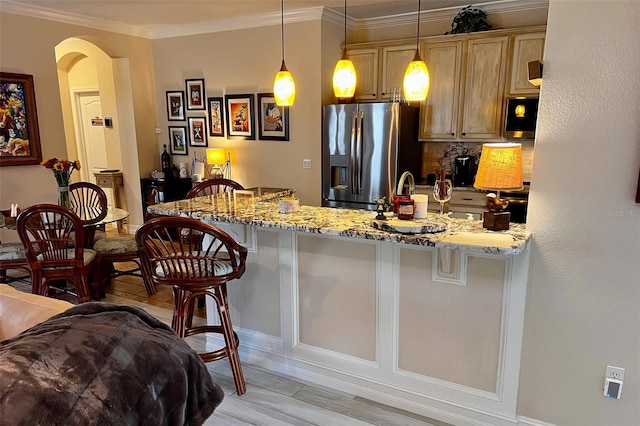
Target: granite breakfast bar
430,323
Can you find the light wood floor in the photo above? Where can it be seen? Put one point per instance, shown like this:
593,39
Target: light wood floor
271,398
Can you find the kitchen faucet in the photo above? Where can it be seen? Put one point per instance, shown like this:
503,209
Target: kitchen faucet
412,184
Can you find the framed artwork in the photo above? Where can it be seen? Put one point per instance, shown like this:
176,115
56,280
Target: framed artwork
239,110
216,116
195,94
178,140
175,105
198,131
273,120
19,133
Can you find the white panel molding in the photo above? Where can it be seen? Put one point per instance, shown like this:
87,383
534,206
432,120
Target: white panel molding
381,380
449,266
527,421
263,20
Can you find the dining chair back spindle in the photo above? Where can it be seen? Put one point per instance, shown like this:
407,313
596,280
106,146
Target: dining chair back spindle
195,270
53,237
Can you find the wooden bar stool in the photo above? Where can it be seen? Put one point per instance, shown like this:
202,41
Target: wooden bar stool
195,268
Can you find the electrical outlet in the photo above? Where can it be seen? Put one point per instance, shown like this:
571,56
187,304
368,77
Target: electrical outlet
306,164
158,130
616,373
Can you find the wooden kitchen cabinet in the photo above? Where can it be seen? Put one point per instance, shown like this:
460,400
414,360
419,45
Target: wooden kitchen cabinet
524,49
483,90
439,113
365,61
395,60
465,100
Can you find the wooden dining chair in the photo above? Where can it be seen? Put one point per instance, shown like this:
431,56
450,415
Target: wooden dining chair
12,256
118,249
53,238
213,186
89,202
195,271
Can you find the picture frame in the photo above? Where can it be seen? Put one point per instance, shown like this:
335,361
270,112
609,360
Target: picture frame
175,105
19,132
240,116
273,120
216,116
178,140
198,131
195,94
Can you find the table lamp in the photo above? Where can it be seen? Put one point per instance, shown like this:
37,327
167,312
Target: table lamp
500,169
216,160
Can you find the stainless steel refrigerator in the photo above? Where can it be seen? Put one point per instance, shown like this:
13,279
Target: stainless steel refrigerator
366,147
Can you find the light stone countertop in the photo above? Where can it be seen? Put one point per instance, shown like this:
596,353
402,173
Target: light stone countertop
463,234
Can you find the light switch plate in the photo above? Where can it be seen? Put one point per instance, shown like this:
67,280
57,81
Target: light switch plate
306,163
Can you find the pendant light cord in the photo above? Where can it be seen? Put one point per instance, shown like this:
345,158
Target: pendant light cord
282,26
418,33
345,24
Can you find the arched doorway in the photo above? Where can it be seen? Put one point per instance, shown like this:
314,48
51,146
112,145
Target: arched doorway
94,81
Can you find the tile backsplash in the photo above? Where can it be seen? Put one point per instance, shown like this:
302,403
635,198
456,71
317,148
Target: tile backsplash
438,155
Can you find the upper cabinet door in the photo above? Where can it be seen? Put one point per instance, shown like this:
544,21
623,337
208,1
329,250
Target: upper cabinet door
484,88
395,60
365,62
525,48
439,113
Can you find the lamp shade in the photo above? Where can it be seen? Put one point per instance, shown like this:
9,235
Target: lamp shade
500,167
215,156
416,80
284,88
344,78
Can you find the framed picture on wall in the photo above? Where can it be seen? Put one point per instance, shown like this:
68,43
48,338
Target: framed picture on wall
240,121
197,131
195,94
178,140
175,105
273,120
19,133
216,116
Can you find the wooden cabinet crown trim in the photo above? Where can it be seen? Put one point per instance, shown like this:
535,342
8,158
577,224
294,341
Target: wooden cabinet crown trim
446,37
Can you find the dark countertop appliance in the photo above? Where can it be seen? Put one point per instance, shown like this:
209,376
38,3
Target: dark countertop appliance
464,170
522,114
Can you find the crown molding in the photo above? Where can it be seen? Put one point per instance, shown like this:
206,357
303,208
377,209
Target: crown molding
240,23
499,6
7,6
263,20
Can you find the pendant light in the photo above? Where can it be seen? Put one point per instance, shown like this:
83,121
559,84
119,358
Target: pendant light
416,77
284,88
344,74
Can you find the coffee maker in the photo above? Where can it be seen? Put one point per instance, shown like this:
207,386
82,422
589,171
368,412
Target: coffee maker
464,170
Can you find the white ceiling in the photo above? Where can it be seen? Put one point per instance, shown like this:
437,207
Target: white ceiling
146,17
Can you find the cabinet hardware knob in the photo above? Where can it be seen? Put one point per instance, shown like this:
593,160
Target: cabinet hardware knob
464,134
452,133
468,199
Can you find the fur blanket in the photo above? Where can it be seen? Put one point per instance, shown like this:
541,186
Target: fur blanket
102,364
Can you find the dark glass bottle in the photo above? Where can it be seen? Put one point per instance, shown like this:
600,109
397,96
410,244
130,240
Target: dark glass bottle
166,160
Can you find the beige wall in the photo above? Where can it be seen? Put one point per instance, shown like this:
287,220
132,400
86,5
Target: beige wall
245,62
27,47
583,309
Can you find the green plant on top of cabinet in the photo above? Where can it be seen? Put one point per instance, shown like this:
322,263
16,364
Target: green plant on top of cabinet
465,101
524,49
365,62
395,60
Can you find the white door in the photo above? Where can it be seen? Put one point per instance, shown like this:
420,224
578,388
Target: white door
90,136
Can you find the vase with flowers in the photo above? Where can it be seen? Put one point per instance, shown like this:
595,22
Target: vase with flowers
62,169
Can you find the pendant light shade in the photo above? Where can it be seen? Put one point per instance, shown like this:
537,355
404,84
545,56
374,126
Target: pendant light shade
416,77
284,88
344,74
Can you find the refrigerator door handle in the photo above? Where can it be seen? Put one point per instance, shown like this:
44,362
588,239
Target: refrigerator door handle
352,154
359,149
